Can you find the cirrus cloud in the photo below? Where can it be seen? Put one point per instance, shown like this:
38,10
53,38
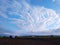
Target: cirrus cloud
36,19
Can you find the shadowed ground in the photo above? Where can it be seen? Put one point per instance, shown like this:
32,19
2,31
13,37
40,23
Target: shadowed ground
29,41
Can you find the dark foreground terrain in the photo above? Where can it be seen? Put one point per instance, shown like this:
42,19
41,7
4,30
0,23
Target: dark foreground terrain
30,41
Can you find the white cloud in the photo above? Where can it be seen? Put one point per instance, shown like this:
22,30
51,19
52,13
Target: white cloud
36,18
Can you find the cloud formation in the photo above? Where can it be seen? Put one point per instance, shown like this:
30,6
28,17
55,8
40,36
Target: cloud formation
32,19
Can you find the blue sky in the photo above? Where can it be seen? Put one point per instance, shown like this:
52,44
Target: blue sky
30,17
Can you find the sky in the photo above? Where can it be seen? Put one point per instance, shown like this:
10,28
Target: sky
30,17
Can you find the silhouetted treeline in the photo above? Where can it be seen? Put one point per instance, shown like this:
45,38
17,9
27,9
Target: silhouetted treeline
51,36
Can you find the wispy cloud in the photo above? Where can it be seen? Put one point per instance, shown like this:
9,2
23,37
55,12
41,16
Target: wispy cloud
3,15
36,19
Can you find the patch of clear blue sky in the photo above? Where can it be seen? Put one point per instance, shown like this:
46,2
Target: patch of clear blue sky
7,25
45,3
